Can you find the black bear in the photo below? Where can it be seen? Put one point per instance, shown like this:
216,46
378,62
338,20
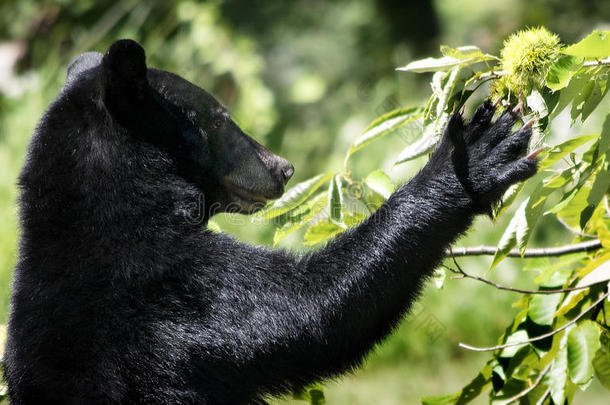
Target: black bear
119,297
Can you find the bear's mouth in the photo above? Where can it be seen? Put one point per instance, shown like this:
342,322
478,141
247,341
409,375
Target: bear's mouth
251,200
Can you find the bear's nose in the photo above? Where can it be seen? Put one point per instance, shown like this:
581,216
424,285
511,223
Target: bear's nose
286,170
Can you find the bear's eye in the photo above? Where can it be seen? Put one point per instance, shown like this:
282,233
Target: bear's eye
217,123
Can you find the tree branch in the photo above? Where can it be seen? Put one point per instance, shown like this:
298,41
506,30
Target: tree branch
528,389
597,62
534,252
463,274
541,337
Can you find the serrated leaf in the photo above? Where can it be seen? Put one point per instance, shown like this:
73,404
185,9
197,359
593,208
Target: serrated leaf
468,393
335,200
295,196
601,365
519,335
463,56
594,45
321,231
534,207
508,239
380,183
353,218
313,394
597,192
543,307
432,65
466,52
558,375
536,103
310,210
583,342
419,148
557,152
385,125
213,226
561,72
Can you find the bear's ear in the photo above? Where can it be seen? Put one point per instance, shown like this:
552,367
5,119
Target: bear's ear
124,84
125,64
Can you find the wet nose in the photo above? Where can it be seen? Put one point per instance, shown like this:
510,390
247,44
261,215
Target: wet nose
286,170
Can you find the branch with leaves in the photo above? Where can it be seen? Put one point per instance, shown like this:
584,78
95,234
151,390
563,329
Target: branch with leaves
542,79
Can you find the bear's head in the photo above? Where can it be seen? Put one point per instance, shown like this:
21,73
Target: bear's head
233,171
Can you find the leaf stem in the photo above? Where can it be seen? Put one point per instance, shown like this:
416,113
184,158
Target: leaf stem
534,339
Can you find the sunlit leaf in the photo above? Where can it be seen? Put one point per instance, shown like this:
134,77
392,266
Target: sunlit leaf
313,394
519,335
594,45
597,192
466,52
583,342
321,231
295,196
481,382
384,125
561,72
213,226
558,376
542,308
309,211
419,148
335,200
557,152
601,365
380,182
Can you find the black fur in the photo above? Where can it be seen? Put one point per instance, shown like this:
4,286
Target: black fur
120,298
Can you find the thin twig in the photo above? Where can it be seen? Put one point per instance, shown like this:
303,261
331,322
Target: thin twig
528,389
533,252
462,273
534,339
574,231
597,62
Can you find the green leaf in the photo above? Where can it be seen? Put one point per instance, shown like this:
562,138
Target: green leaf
519,335
598,190
583,342
335,200
419,148
380,183
562,71
432,65
305,213
543,307
213,226
465,55
559,151
295,196
558,375
521,225
466,52
601,365
384,125
468,393
321,232
313,394
508,239
534,207
595,45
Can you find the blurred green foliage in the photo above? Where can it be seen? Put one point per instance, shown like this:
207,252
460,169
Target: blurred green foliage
305,78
